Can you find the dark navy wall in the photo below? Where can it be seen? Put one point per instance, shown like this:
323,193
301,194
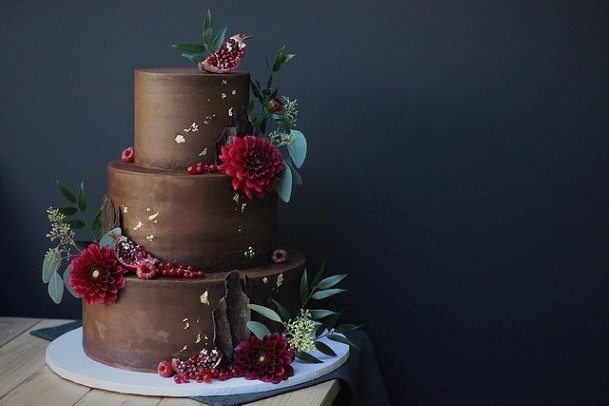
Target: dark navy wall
458,169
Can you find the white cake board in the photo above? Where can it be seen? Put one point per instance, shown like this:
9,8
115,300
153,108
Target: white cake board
66,357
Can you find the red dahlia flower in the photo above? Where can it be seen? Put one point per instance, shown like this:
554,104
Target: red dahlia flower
96,275
253,162
267,360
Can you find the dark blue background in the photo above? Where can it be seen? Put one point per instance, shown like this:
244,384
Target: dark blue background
458,169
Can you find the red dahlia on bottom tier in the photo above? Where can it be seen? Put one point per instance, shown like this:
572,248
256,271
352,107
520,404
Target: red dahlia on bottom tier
253,163
267,360
96,275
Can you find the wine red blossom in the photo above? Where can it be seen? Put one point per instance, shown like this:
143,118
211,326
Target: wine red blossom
279,256
96,275
268,360
253,163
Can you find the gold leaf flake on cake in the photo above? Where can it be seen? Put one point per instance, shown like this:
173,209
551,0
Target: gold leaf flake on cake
186,326
185,319
125,209
180,139
239,230
153,216
249,252
138,225
265,280
236,198
147,208
206,337
184,348
194,127
224,82
198,339
150,237
198,319
203,152
279,280
243,207
204,297
234,92
230,112
224,95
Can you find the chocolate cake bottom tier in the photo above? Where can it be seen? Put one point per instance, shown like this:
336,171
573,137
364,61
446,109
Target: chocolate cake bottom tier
163,318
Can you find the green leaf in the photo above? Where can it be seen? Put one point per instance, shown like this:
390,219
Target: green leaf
324,348
298,148
82,198
218,40
283,186
283,312
75,224
318,330
258,329
318,275
66,281
66,192
265,311
83,243
281,59
52,262
195,58
347,327
190,48
341,339
109,239
256,90
207,28
68,210
331,321
331,281
308,358
56,288
304,287
297,179
317,314
96,224
322,294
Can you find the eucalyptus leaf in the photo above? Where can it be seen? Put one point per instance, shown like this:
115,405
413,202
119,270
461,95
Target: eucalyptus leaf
322,294
207,28
282,311
55,288
304,287
283,186
66,281
265,311
317,314
190,48
297,179
96,224
109,239
68,210
52,262
324,348
331,281
218,39
82,198
341,339
258,329
298,148
319,275
75,224
66,192
308,358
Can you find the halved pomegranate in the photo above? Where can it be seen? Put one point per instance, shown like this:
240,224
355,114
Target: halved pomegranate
227,57
130,254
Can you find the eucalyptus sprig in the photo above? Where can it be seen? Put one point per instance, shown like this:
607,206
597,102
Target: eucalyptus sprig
197,52
306,329
66,222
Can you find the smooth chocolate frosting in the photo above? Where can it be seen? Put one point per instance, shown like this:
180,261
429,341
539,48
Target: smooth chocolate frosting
159,319
181,112
196,220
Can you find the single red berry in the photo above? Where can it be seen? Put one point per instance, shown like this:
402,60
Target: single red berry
192,170
171,272
128,154
146,270
165,369
180,272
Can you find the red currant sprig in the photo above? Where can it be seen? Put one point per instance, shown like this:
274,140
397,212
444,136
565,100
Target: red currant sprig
169,270
200,168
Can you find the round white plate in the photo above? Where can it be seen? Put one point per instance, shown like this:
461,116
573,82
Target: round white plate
66,357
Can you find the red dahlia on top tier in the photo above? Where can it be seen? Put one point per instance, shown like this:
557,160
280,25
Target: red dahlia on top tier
96,275
267,360
254,163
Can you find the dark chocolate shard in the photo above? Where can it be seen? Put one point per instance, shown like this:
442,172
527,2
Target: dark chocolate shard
231,316
110,215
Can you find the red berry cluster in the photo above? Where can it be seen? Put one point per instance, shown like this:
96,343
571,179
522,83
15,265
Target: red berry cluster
206,375
169,270
201,367
201,167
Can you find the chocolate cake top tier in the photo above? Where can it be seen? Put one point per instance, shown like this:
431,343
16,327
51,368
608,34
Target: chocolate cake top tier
181,112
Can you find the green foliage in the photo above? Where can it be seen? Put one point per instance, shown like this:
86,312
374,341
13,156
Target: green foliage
67,193
55,288
197,52
258,329
66,281
109,239
52,262
298,147
324,348
82,198
308,358
283,186
265,311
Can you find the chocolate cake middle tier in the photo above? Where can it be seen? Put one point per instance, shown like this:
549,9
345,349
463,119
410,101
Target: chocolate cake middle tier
196,220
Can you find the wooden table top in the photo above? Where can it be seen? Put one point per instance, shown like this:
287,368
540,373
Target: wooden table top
25,379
